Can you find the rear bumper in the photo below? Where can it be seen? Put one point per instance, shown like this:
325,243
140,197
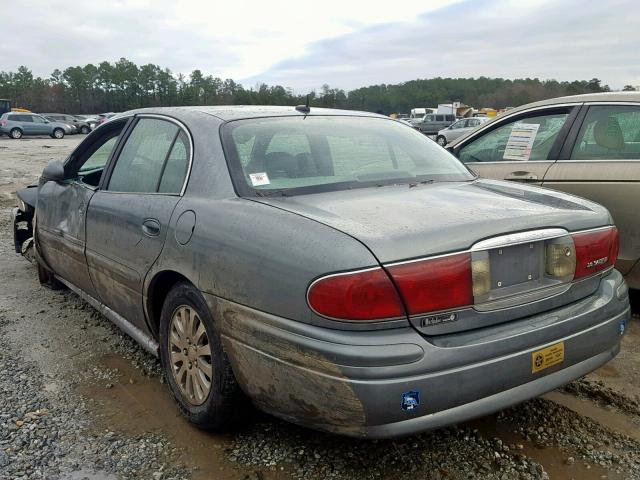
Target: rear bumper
354,382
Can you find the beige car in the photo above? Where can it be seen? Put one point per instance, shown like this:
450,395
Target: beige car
587,145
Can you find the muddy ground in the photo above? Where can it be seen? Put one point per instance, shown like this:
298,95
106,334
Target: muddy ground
78,399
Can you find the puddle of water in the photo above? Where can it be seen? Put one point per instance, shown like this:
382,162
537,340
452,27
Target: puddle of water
146,406
553,459
610,419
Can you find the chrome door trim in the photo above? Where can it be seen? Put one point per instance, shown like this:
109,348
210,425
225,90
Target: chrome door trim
146,341
507,115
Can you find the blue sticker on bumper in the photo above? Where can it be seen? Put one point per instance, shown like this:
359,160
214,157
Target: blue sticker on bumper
410,400
623,326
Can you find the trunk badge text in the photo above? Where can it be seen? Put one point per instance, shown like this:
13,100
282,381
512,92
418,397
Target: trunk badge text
599,261
438,319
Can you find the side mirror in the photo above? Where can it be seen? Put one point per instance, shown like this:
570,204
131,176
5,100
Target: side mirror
53,172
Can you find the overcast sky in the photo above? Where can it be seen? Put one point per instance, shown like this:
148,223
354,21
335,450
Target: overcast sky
345,43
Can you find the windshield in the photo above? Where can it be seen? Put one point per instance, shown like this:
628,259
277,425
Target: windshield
295,155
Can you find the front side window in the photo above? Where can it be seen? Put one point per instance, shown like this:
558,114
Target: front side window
529,138
152,148
38,119
609,132
297,155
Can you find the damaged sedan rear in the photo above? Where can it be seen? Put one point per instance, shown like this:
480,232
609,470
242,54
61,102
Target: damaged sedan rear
336,268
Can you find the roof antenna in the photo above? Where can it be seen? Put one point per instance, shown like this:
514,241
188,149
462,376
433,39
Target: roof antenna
304,108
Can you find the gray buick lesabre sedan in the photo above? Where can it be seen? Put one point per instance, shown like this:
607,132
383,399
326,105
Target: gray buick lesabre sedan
337,268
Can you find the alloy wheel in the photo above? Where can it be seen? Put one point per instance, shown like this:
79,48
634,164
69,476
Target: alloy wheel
190,355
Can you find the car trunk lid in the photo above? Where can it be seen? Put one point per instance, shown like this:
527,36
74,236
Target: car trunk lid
401,224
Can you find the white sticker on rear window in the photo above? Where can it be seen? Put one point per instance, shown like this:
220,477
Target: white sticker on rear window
258,179
520,141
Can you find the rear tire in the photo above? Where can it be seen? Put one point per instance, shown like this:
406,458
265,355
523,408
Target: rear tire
48,279
85,130
183,354
58,133
442,141
15,133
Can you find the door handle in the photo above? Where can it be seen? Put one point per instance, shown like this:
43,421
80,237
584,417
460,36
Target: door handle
151,227
521,176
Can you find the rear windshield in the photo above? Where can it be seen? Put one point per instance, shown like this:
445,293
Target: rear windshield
296,155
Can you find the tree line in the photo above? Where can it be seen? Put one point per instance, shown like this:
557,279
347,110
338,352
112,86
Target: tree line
123,85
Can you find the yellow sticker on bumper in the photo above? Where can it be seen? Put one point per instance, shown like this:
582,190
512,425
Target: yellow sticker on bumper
547,357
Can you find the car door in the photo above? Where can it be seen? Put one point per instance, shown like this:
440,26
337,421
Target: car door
457,129
61,208
41,126
520,147
128,217
601,161
27,125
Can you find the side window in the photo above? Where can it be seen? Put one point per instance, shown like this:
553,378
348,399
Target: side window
609,132
91,170
25,118
141,162
177,164
439,118
524,139
37,119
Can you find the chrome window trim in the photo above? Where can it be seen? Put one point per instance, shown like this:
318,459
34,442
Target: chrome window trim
180,126
502,119
614,103
502,162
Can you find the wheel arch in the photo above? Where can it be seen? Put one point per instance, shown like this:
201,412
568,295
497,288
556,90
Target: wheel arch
159,287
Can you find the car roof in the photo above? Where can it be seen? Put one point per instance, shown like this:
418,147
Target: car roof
236,112
584,98
605,97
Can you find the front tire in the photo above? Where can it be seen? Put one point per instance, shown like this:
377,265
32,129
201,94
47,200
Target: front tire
58,133
441,140
197,369
85,130
15,133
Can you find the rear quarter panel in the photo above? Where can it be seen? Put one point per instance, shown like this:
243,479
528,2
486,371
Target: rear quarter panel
259,255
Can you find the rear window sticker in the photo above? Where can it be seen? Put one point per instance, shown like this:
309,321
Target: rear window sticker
258,179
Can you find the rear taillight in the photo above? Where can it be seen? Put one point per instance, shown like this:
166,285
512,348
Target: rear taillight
3,123
453,281
595,251
435,283
363,295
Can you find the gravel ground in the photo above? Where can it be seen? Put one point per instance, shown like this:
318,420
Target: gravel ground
79,400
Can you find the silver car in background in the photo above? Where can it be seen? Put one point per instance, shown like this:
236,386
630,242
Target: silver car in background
17,125
459,128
